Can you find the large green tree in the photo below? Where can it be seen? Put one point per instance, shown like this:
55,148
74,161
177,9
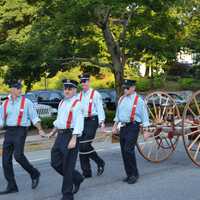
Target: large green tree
101,33
114,33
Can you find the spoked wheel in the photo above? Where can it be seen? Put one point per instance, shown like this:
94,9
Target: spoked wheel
161,140
191,128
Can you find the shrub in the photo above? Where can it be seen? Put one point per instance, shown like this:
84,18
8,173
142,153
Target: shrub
189,84
185,82
143,84
158,82
110,115
47,122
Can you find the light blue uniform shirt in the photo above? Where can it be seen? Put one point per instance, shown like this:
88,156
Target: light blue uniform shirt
97,104
64,108
13,108
124,110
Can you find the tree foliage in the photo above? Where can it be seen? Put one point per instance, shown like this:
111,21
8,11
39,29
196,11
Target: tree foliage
42,36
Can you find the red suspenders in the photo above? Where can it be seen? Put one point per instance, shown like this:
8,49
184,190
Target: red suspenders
132,117
70,116
21,110
90,102
134,109
81,94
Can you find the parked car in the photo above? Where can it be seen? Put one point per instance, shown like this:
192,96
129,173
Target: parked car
3,97
42,110
178,99
48,97
109,98
164,100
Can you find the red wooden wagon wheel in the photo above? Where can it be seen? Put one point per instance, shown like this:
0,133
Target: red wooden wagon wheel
191,128
161,142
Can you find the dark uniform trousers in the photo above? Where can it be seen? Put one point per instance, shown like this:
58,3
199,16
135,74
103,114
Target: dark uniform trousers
14,144
128,139
89,132
63,160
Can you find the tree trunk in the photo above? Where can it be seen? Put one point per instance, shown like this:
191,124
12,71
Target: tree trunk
119,77
28,86
147,71
116,56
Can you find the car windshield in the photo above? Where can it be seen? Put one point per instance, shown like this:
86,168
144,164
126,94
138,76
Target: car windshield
31,96
175,96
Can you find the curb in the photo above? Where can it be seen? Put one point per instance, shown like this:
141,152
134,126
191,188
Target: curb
39,143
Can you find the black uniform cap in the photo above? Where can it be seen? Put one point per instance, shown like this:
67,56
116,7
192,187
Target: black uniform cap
129,83
70,83
15,84
84,76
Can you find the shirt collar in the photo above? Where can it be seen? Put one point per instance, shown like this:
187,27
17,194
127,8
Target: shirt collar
132,95
71,98
88,91
17,99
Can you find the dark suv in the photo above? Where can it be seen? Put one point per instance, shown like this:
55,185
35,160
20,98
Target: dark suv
109,98
47,97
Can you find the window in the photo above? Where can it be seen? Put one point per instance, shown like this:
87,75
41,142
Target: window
43,96
55,97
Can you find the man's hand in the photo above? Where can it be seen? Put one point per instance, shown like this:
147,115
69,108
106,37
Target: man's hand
102,126
42,133
52,133
114,128
72,142
49,135
147,135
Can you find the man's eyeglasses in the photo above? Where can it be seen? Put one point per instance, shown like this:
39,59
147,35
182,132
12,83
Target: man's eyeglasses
83,80
126,88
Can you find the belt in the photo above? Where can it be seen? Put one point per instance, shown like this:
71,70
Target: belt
129,123
91,118
67,130
14,127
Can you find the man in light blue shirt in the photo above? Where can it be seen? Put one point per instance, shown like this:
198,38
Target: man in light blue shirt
130,115
16,114
94,116
69,125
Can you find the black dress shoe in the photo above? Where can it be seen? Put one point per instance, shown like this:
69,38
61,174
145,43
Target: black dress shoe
35,181
9,191
125,179
87,175
132,179
77,186
100,169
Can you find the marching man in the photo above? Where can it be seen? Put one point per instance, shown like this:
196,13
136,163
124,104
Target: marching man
69,125
16,115
131,113
94,116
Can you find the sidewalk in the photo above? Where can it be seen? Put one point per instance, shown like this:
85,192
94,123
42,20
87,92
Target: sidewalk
35,142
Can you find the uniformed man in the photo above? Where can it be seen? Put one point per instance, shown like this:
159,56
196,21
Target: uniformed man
16,114
94,116
130,115
69,125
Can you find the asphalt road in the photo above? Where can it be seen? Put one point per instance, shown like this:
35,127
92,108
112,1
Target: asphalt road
174,179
